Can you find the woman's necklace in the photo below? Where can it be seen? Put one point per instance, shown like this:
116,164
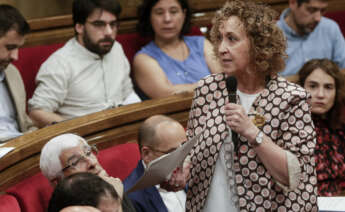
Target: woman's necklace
182,49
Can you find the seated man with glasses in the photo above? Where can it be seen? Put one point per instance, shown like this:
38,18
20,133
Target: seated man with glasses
68,154
158,135
89,73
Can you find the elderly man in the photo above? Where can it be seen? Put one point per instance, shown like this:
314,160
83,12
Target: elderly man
310,35
158,135
68,154
89,73
13,118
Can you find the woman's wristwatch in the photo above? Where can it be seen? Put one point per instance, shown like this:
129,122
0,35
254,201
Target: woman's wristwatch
258,139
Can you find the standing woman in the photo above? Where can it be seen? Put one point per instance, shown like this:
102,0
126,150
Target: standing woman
172,63
271,167
326,84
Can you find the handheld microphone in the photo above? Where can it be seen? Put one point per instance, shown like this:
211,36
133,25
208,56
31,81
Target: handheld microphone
231,85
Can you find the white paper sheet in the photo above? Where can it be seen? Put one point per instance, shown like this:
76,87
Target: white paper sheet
160,169
331,204
5,150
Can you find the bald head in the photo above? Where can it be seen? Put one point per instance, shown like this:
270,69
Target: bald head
80,209
159,134
147,131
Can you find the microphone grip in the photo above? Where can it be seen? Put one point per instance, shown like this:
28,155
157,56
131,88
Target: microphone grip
234,136
232,97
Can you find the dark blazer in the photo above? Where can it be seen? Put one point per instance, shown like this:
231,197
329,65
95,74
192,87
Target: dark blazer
145,200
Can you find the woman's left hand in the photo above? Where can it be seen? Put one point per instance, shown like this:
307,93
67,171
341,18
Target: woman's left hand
238,121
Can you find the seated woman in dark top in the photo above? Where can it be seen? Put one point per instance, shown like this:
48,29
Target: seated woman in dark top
323,79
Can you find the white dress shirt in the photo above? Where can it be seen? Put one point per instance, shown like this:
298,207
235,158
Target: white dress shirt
75,82
8,121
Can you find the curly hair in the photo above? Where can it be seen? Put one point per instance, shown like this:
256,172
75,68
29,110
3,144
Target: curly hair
144,26
267,41
332,70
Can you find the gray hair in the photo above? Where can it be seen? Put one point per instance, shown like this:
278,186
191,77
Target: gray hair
50,163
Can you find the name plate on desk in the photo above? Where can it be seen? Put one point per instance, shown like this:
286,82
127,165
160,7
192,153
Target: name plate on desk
330,204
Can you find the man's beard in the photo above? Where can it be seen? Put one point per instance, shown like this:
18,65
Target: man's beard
96,47
304,29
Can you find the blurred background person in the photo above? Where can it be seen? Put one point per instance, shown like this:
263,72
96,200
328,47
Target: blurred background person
172,63
90,73
268,165
13,118
84,189
304,26
326,84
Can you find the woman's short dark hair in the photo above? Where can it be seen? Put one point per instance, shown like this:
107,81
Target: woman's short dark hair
10,18
330,68
80,189
82,9
267,41
144,26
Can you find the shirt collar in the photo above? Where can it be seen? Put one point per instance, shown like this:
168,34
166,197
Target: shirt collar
287,29
85,51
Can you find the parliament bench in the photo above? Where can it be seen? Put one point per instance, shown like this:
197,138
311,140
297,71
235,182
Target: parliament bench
113,131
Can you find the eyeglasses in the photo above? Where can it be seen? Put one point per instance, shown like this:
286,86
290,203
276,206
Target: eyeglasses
89,151
101,25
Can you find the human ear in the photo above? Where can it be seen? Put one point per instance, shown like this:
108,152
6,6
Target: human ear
145,154
79,28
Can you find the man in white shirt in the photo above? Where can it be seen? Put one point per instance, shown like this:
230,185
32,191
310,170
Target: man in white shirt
158,135
13,118
89,73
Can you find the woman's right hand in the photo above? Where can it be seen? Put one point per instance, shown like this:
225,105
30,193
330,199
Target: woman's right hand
238,121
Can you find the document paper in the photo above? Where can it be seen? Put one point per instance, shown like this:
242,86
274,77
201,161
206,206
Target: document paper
159,170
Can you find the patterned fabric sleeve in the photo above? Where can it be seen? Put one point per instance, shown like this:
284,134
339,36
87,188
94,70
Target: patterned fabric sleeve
298,137
192,121
197,114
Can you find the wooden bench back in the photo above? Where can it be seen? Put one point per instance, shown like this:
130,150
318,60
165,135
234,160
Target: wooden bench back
105,128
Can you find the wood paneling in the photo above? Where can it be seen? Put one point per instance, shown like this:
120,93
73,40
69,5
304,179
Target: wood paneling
54,29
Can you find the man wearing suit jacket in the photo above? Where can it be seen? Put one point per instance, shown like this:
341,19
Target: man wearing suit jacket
13,118
158,135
